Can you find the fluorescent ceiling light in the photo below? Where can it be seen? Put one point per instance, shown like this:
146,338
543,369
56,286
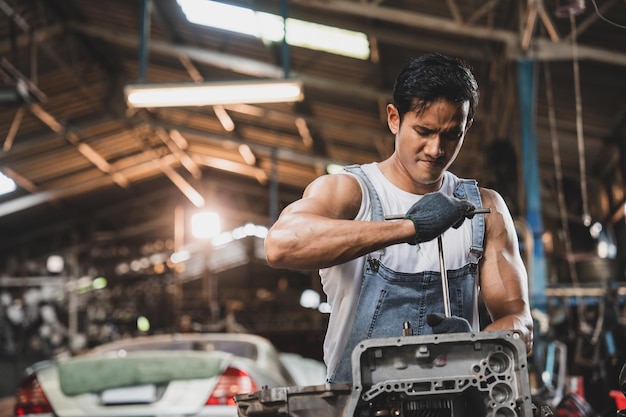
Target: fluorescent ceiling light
211,93
269,27
328,39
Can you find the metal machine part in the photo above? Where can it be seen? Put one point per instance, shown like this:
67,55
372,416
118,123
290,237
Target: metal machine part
462,374
449,375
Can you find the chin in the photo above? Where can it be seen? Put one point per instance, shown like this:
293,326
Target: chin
429,178
429,182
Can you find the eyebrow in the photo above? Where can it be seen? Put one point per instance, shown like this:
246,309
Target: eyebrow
454,130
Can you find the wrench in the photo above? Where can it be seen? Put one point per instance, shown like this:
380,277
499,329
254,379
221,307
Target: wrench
442,262
444,278
442,265
468,214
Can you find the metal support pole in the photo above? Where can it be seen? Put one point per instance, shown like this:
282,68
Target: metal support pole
285,46
273,208
146,11
179,241
527,94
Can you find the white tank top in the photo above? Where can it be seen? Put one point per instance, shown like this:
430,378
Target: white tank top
342,283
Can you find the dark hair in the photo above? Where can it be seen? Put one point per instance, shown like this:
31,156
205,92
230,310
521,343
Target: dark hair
433,76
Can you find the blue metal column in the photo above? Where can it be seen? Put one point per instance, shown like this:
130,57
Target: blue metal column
274,195
532,187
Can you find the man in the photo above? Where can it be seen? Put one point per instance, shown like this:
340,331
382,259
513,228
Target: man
378,274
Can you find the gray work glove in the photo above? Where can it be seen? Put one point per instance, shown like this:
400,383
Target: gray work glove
442,324
435,213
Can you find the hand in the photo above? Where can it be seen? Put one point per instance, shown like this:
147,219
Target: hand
435,213
442,324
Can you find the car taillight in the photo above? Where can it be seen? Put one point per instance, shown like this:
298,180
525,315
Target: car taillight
232,382
30,398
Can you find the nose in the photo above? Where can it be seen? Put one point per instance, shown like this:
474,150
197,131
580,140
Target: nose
434,147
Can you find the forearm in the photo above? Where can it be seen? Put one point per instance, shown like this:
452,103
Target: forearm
520,321
307,241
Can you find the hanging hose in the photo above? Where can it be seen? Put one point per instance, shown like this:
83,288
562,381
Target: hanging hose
579,125
581,160
558,173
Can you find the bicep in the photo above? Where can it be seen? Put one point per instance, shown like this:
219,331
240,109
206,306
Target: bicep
315,231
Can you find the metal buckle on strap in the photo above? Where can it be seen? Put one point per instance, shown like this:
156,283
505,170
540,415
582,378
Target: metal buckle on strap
373,264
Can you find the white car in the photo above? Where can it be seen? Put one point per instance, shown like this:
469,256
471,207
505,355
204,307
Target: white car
191,375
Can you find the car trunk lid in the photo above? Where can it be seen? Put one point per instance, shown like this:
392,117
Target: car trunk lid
133,384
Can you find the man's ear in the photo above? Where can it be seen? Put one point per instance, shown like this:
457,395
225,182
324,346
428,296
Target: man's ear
469,124
393,118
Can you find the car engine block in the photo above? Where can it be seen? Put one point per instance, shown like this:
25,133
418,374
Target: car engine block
481,374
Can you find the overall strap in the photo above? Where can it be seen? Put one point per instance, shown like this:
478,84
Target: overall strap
468,189
377,208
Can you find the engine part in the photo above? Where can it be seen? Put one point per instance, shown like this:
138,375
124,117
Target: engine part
449,375
460,374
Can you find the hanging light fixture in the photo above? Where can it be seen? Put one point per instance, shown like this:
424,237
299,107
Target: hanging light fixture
213,93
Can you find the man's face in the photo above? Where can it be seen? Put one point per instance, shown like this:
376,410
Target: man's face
428,141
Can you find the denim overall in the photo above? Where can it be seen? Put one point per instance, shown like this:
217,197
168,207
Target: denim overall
389,298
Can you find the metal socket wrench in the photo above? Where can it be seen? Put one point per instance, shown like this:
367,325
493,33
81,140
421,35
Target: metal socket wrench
469,214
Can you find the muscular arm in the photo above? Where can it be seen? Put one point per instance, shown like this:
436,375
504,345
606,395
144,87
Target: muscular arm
317,231
503,278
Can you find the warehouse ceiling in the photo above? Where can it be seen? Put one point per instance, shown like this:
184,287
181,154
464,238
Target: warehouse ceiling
98,180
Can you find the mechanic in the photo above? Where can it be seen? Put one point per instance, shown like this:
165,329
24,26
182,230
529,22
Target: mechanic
378,273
